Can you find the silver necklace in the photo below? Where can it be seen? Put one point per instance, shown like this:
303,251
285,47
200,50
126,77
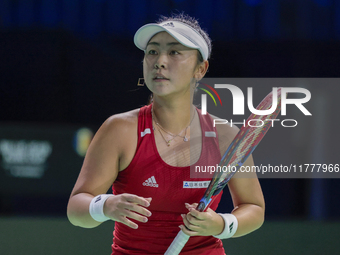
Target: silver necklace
185,139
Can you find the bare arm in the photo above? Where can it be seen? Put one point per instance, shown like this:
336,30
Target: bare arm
104,159
245,190
249,205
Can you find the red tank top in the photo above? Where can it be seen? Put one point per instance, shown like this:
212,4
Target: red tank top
170,187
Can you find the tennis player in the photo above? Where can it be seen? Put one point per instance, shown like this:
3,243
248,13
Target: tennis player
145,154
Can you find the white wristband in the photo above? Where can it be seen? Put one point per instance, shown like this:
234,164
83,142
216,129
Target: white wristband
97,206
230,226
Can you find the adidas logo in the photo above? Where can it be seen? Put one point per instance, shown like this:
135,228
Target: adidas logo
231,227
170,24
151,182
98,199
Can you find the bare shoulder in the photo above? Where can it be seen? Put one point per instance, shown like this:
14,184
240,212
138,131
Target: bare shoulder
226,134
121,123
120,134
113,144
115,134
125,118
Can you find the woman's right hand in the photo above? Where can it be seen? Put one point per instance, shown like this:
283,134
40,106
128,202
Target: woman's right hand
121,207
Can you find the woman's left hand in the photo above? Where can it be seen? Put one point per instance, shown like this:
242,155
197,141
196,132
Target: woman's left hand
197,223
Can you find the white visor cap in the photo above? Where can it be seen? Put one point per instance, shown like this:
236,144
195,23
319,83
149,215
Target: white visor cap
183,33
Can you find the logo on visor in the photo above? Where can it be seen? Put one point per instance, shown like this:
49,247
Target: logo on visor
170,24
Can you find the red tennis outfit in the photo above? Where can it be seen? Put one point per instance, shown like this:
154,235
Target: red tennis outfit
170,187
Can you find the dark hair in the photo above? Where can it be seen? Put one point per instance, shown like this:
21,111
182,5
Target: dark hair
186,19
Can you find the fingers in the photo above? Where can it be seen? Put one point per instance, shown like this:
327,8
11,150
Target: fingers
193,211
135,216
198,223
138,200
194,222
125,216
134,210
192,219
191,227
187,231
137,204
128,223
188,206
137,208
149,199
122,208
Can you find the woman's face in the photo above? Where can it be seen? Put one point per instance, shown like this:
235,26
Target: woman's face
169,67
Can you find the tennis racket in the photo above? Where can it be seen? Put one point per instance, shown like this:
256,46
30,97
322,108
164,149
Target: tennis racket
237,153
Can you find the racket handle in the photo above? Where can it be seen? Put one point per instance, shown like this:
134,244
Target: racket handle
200,207
177,244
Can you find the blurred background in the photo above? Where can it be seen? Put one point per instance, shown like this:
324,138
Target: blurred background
67,65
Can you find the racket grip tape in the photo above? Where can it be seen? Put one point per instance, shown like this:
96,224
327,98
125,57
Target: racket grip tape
177,244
